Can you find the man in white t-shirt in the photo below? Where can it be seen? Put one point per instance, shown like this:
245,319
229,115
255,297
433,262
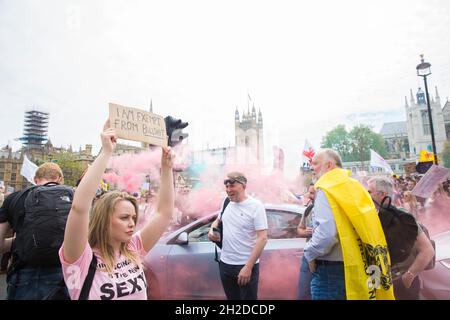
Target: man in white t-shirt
244,224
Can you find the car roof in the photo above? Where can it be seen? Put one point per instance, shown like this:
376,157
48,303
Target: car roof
286,207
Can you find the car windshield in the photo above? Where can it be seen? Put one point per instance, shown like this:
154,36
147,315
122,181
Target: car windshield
282,225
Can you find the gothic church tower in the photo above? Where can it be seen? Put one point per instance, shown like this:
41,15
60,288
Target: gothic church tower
418,125
249,137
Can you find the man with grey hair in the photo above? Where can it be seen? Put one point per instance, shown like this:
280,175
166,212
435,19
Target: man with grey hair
345,226
323,252
383,186
405,273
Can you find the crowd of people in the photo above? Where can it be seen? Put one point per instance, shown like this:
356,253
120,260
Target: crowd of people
348,253
417,206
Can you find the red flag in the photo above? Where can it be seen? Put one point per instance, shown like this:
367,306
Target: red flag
308,153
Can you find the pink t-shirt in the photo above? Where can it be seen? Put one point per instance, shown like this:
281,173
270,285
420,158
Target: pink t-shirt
126,283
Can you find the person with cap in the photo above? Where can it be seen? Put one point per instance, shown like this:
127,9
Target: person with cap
244,224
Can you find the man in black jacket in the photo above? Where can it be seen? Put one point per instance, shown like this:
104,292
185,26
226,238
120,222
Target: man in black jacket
27,282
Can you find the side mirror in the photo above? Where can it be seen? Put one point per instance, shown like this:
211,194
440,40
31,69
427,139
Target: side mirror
182,238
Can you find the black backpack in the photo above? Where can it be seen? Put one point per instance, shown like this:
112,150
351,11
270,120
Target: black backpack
400,230
220,227
41,234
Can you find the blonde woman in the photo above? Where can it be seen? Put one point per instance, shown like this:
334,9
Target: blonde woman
110,234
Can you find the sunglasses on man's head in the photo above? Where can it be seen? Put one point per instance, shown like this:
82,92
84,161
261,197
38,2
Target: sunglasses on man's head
230,181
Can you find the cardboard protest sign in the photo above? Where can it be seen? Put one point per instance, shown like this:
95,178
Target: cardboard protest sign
430,181
138,125
409,167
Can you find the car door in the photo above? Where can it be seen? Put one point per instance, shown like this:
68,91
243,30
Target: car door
193,272
280,261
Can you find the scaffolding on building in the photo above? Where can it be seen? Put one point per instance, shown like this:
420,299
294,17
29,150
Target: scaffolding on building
35,129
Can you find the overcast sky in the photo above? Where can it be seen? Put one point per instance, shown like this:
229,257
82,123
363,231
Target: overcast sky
308,65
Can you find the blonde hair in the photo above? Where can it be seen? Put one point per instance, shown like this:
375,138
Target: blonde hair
49,171
99,228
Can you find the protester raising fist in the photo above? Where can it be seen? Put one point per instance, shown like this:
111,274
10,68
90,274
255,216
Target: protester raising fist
109,234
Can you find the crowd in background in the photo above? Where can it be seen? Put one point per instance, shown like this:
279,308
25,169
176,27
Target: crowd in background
418,205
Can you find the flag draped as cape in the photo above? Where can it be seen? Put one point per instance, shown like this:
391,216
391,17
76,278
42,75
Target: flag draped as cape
364,248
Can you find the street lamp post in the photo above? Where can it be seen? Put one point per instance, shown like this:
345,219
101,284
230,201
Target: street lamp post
424,70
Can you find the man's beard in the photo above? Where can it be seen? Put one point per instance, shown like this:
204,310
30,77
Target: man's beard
319,174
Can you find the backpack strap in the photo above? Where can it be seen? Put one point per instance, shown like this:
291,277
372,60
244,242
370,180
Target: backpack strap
308,210
84,295
23,192
389,202
225,204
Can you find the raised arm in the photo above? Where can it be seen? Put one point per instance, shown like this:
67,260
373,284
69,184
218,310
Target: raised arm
77,227
159,221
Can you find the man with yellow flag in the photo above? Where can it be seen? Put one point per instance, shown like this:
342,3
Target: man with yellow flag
347,253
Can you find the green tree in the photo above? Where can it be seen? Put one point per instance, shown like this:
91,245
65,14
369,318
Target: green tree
362,140
338,139
446,154
71,168
356,144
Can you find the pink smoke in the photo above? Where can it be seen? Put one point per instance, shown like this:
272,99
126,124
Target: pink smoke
437,216
129,171
269,187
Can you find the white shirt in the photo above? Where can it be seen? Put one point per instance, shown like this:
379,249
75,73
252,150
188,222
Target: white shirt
240,222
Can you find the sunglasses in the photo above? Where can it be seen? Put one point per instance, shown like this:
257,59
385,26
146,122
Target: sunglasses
230,181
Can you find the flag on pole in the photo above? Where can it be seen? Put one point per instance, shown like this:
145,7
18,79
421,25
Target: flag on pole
307,154
426,156
378,161
28,169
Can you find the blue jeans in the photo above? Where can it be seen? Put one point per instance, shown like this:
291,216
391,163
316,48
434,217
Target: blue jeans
328,283
304,281
33,283
229,276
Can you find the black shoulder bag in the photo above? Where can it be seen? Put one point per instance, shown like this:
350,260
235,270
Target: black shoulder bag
220,227
60,292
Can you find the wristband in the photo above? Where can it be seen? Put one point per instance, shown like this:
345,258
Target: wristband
410,273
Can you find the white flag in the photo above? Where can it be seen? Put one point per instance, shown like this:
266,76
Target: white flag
377,161
28,169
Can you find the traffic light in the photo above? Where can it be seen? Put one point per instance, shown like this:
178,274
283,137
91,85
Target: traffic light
174,128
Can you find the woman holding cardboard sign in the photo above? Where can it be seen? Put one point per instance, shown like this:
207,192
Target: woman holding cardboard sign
109,234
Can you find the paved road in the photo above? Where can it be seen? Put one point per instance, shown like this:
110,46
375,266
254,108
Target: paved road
2,286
